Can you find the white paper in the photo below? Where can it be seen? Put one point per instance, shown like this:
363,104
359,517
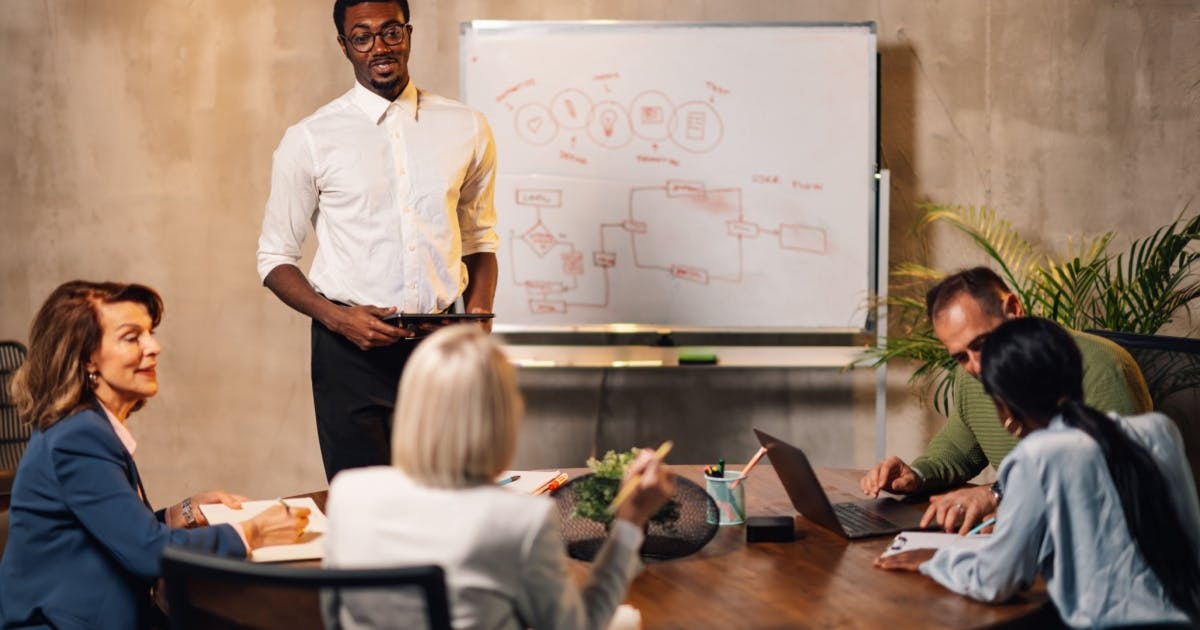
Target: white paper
626,617
908,541
311,545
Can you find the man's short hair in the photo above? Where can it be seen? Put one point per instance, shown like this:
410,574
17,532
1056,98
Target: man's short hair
982,284
339,11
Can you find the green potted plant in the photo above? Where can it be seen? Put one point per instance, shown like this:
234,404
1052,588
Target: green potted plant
1139,290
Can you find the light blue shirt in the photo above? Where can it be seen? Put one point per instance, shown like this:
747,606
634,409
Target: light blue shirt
1061,516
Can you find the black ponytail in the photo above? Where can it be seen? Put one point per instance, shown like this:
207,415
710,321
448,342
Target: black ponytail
1150,514
1034,367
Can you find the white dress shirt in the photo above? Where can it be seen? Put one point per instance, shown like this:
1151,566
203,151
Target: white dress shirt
1061,516
502,552
397,192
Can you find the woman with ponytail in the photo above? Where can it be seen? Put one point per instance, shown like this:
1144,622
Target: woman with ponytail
1103,507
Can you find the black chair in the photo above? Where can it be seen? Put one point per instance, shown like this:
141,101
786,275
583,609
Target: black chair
206,591
14,435
1171,366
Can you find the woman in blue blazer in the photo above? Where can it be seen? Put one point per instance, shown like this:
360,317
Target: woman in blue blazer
84,544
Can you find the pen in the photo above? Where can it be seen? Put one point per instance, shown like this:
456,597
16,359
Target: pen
286,508
633,482
508,479
746,471
555,484
721,468
978,528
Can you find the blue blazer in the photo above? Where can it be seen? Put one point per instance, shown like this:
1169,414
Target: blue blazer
83,548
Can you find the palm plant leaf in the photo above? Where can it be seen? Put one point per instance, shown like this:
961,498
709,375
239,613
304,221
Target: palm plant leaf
1014,255
1139,290
1146,285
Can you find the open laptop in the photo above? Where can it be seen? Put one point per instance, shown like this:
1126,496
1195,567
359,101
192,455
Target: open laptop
855,519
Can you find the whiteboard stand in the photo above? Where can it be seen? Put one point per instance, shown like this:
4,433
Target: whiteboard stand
881,316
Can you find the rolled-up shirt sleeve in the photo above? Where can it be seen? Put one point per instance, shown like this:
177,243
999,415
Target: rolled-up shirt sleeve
291,204
476,202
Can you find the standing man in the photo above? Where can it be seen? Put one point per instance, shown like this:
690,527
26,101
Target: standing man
964,308
398,184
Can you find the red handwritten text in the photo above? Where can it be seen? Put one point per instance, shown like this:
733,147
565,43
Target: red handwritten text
512,90
571,157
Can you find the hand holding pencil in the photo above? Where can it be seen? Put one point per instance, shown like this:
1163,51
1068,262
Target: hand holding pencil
648,484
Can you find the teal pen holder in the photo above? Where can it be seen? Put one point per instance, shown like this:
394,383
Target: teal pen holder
730,502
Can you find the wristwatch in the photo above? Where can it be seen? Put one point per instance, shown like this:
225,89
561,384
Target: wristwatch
189,517
997,493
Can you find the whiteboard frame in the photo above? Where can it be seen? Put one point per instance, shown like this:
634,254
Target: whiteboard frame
563,334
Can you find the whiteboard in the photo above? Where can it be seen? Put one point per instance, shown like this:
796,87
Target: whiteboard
680,175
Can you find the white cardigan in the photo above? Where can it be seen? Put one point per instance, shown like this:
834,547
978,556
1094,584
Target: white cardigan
503,554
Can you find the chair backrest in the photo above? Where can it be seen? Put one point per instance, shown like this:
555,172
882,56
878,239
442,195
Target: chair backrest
1171,366
14,435
206,591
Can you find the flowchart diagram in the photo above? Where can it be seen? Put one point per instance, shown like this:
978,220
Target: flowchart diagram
550,267
682,176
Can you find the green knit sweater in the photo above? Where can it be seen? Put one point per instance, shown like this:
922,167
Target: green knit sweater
973,436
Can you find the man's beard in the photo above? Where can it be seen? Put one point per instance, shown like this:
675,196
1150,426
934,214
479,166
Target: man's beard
385,87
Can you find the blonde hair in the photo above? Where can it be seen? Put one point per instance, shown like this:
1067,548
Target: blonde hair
458,412
53,382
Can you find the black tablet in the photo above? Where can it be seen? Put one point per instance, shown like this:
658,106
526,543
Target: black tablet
435,318
424,323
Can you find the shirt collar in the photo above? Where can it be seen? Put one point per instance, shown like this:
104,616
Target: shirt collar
376,107
123,433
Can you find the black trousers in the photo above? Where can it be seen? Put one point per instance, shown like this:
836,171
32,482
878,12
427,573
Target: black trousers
354,393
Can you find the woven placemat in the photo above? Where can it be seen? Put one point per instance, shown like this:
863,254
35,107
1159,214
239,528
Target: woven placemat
695,525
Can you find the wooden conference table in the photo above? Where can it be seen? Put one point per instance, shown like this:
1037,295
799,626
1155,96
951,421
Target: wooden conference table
819,580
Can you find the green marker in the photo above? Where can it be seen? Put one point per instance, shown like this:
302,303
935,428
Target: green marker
697,358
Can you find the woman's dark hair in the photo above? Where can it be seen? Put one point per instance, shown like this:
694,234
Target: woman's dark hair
1034,367
52,383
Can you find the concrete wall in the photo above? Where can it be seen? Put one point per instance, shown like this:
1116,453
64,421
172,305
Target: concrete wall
136,138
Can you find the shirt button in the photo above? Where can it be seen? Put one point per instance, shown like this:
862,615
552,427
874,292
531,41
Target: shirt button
412,248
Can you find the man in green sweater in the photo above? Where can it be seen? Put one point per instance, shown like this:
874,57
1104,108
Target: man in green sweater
964,308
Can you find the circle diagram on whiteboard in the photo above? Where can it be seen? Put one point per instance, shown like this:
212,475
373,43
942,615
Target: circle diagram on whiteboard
571,108
651,112
535,125
696,127
610,125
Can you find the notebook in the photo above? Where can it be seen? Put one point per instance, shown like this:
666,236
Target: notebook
854,519
311,546
910,541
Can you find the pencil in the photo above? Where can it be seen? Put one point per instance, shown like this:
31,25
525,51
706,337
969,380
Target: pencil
978,528
627,489
286,508
746,471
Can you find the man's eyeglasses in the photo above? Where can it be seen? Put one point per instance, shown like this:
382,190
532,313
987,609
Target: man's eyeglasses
364,41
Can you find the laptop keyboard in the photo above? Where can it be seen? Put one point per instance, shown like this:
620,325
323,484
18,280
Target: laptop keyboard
857,520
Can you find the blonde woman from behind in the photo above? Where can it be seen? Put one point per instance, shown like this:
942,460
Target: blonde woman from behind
455,429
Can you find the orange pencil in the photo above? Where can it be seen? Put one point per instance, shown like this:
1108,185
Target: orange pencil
746,471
